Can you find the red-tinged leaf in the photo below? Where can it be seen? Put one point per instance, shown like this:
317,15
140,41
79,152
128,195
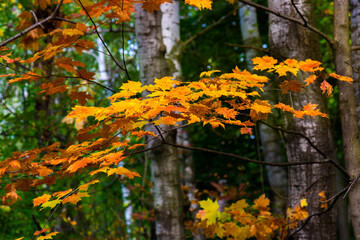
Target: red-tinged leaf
284,107
153,5
80,96
246,130
326,87
48,236
42,199
42,231
292,85
310,79
85,74
341,78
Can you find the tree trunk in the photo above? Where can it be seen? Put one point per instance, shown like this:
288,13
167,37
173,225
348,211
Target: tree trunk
289,40
164,160
269,137
349,121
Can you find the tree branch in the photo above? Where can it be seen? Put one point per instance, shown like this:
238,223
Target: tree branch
210,27
337,165
37,24
292,19
247,46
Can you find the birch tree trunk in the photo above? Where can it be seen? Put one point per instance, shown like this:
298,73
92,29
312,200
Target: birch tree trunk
289,40
348,116
164,161
270,140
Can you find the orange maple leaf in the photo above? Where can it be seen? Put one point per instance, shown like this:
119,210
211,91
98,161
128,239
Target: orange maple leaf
42,199
341,78
263,63
310,79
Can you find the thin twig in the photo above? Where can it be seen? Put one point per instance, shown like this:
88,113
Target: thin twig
297,10
102,40
210,27
337,165
247,46
38,24
295,20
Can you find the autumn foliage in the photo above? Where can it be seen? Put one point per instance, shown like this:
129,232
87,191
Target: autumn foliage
218,99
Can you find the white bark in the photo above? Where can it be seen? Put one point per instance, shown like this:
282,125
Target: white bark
164,160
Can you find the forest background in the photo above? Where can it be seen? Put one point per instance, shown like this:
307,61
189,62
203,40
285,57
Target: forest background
224,164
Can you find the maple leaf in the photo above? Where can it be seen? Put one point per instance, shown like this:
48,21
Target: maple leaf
75,198
85,186
262,63
292,85
303,202
61,194
208,73
310,79
72,32
42,199
323,200
153,5
246,130
310,65
50,204
262,203
326,87
341,78
283,69
201,4
42,231
48,236
210,212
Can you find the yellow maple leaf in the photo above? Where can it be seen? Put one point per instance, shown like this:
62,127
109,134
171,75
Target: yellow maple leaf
48,236
262,203
75,198
303,202
201,4
208,73
50,204
42,199
210,212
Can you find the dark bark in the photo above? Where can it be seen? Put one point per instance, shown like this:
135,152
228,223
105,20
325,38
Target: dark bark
290,40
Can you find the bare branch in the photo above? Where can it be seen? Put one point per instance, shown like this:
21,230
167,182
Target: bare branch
337,165
247,46
38,24
292,19
103,42
210,27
